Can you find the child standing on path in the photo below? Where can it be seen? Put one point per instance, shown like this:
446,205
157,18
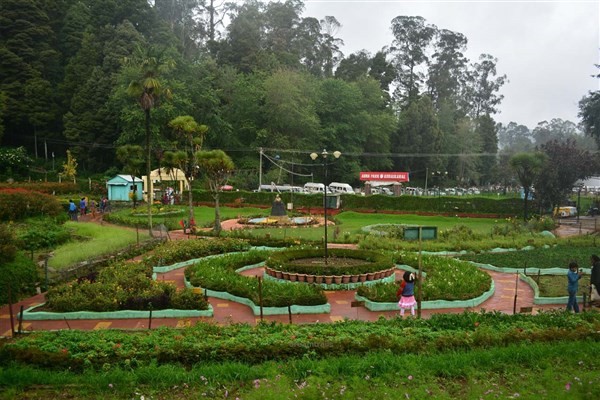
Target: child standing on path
406,293
573,277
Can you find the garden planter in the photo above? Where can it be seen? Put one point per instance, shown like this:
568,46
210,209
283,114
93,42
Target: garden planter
328,279
378,275
363,277
370,276
285,275
354,278
293,277
345,278
310,278
337,279
278,274
301,277
319,279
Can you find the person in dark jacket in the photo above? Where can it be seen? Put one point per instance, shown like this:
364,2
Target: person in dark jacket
573,277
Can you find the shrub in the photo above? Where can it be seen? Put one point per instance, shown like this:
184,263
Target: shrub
16,204
20,274
120,287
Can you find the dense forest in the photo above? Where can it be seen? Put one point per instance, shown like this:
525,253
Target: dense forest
257,75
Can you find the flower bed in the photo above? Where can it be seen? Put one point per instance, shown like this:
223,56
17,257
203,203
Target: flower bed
219,274
447,279
121,287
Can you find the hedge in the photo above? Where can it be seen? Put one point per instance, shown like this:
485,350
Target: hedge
446,204
21,275
17,204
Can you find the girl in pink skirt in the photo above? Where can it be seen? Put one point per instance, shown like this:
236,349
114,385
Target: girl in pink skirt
406,293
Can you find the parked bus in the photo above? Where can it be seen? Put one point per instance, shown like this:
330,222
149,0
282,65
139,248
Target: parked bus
312,187
336,187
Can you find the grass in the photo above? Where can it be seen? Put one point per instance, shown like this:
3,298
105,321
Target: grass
96,240
526,371
556,285
554,257
347,229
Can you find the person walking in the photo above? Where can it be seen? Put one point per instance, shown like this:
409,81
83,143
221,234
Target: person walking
406,293
72,210
573,277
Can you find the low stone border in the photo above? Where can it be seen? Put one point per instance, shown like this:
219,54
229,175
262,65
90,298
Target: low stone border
31,315
430,305
295,309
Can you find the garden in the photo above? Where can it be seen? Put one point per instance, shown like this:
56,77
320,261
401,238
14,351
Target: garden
442,356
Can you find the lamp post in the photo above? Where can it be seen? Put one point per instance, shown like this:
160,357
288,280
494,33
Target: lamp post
314,156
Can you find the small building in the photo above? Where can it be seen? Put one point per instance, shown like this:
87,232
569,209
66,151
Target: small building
119,187
162,175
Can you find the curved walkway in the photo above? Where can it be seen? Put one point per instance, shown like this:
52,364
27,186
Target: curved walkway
226,312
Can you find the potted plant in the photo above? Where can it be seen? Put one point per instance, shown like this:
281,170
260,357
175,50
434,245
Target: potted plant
337,279
354,278
346,278
310,278
328,279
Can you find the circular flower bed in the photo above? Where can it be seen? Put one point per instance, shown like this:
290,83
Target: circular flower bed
342,266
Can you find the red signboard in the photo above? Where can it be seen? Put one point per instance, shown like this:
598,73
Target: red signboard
384,176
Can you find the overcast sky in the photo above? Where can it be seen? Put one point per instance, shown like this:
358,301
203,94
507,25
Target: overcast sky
547,49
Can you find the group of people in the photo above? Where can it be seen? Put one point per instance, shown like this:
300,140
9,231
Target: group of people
406,290
573,277
86,206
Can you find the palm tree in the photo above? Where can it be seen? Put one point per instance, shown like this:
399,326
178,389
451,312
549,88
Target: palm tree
148,90
190,135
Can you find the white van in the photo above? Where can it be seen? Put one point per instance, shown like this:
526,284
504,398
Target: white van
336,187
312,187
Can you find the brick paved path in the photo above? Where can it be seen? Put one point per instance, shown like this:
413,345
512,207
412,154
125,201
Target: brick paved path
226,312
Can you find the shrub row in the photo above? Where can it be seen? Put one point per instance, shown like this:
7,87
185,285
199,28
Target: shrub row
182,250
122,287
16,204
219,274
468,205
447,279
77,350
288,261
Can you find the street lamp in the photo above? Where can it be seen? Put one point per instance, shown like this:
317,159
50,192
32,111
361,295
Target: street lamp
314,156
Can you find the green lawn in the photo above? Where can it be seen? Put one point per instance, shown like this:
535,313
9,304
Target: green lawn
94,240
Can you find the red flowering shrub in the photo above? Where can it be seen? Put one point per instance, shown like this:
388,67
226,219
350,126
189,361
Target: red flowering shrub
44,187
17,204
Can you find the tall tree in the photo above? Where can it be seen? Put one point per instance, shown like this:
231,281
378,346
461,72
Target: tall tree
527,166
447,68
412,38
565,164
146,87
417,137
481,93
515,138
217,167
556,129
589,112
487,131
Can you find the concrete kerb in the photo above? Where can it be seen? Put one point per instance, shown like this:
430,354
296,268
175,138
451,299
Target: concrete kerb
31,315
537,299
